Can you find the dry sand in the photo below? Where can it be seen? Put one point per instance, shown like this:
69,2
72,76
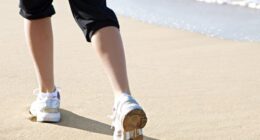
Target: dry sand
192,87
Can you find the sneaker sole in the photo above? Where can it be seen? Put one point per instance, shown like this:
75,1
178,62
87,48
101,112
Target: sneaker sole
48,117
135,119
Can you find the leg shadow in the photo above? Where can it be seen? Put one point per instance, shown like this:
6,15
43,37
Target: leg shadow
72,120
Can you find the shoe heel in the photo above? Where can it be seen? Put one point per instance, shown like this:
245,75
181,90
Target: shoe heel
135,119
48,117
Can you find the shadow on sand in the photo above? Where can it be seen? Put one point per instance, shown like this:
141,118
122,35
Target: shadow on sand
70,119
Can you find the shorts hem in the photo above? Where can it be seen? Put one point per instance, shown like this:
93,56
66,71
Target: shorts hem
100,26
34,16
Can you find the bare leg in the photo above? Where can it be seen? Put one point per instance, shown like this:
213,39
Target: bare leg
108,44
39,38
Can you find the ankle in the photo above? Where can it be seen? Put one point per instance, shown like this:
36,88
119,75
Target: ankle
51,93
47,89
121,94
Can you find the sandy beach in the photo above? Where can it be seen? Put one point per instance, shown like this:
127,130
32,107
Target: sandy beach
192,87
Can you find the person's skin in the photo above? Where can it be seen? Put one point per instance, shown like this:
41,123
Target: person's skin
39,38
108,45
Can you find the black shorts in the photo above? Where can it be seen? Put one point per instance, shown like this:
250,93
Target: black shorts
91,15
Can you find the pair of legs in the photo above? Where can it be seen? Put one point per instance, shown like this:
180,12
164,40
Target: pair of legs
128,118
106,41
100,27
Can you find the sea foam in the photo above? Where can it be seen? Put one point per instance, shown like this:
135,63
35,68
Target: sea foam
222,21
245,3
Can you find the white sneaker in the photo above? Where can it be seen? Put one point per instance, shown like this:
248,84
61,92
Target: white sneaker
46,106
128,118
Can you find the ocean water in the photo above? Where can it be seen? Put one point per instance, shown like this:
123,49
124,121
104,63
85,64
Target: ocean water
221,21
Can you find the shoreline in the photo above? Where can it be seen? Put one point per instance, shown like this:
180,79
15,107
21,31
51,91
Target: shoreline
208,19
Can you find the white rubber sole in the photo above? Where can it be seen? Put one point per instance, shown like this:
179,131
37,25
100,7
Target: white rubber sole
48,117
